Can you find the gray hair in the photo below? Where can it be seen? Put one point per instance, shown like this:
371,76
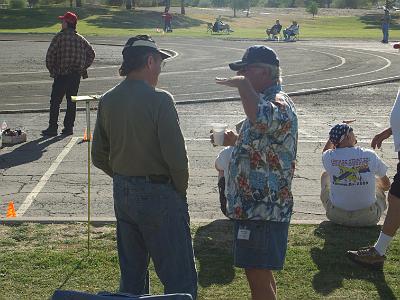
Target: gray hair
275,72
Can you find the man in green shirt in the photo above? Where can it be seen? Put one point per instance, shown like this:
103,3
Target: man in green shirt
138,142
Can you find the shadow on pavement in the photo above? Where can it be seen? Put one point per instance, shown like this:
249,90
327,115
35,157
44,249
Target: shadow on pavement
27,152
373,21
333,265
141,19
213,250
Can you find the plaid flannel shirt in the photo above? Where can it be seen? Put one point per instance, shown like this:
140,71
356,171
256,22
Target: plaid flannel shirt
69,52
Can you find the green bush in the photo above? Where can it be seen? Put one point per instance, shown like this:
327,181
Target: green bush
204,3
50,2
350,3
220,3
17,4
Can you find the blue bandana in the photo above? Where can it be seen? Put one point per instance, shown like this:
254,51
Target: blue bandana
338,133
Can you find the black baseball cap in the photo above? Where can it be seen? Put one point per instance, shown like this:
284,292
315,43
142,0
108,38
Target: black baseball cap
256,54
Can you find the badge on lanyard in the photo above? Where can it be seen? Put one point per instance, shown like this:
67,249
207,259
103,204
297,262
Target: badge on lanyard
243,233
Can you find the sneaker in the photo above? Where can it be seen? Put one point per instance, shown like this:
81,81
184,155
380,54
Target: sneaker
67,131
50,132
367,257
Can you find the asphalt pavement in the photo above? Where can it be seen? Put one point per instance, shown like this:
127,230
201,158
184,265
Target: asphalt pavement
47,178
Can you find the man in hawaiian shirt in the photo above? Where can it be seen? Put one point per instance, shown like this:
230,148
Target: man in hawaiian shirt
261,169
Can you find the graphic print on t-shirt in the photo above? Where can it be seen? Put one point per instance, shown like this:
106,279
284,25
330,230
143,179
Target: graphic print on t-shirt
350,171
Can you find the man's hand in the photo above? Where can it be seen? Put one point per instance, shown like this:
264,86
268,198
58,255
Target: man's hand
248,95
230,138
380,137
235,81
329,145
348,121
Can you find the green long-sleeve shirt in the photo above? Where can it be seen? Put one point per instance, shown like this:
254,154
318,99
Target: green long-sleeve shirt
137,133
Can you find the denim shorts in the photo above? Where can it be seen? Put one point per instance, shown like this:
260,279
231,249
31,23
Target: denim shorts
395,187
260,244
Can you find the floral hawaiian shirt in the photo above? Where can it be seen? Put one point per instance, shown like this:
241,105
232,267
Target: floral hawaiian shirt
263,161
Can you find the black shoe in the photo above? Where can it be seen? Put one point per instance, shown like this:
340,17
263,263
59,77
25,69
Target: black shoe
367,257
67,131
50,132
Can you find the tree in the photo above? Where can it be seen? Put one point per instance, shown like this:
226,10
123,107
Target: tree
312,8
167,4
182,7
238,4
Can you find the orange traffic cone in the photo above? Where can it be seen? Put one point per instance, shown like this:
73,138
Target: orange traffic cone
85,136
11,210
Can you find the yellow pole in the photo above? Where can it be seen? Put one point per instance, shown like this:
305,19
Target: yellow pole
87,99
89,140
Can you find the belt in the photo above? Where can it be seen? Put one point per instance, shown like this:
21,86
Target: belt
160,179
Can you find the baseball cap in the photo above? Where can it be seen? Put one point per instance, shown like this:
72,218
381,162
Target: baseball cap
138,44
339,132
69,17
256,54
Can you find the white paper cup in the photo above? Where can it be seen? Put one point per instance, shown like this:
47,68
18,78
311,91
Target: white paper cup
218,133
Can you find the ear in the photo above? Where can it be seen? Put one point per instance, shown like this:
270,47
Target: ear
150,61
266,73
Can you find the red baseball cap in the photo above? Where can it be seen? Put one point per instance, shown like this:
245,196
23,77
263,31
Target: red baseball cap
69,17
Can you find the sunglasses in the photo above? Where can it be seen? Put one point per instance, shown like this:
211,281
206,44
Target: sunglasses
249,67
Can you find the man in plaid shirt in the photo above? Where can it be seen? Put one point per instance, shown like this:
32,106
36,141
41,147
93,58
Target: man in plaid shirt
68,58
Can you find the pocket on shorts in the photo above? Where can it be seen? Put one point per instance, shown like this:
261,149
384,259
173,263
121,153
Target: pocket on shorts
258,234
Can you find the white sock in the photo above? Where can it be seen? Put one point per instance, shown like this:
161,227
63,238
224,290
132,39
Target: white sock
382,243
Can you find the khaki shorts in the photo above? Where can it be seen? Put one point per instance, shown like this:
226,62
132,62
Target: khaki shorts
368,216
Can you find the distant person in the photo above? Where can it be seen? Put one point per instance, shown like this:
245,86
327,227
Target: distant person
374,256
139,143
291,30
218,24
385,25
261,169
167,16
348,191
274,30
67,59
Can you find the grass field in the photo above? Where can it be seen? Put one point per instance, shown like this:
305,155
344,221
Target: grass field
36,259
97,20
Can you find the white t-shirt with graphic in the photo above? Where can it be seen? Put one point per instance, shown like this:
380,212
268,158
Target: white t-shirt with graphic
222,163
395,122
352,176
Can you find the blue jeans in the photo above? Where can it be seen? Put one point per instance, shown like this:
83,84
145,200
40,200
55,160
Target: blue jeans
385,31
153,221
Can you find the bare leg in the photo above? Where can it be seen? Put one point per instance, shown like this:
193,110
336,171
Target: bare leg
262,284
392,220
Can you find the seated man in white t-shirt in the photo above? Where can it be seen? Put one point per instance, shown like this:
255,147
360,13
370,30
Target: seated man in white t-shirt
374,256
350,193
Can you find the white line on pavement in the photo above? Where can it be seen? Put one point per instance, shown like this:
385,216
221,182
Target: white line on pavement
299,141
42,182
